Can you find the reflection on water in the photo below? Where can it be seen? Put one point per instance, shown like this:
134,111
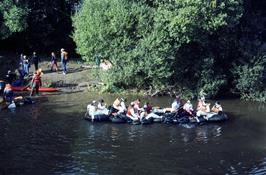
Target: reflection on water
52,138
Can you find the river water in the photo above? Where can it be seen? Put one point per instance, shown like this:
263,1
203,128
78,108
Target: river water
50,137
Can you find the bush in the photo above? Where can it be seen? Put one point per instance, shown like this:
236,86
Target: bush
250,79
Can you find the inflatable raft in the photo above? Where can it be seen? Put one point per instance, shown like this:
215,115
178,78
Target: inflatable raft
181,118
97,117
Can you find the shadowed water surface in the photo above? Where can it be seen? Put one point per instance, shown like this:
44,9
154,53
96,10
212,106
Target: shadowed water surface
52,138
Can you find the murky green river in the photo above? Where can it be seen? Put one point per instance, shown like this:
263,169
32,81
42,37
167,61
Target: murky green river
50,137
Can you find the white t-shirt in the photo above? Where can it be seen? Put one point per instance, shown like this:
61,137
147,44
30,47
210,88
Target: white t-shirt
188,107
101,106
175,106
122,107
91,109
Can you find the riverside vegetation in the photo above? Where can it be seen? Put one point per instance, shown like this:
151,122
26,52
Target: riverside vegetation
179,46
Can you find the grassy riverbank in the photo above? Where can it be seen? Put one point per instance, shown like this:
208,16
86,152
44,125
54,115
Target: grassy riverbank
80,77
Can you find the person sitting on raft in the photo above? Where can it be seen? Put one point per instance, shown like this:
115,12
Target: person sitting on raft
119,105
137,107
132,112
176,104
188,108
217,107
202,108
147,113
8,93
91,109
36,82
101,107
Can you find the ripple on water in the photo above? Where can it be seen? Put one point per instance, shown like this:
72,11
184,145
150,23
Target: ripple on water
260,169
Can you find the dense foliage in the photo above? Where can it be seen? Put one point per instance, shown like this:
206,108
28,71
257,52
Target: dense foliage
154,44
250,79
40,25
12,18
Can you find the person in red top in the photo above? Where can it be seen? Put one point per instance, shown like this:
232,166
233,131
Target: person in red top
132,113
36,82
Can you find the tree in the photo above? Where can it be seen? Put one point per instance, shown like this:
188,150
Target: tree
48,24
156,43
13,17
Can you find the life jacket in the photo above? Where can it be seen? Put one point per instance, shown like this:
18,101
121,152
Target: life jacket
37,79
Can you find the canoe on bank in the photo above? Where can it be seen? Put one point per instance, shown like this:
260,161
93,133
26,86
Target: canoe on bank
41,89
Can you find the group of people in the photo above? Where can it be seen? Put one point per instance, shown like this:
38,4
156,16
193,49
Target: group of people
203,108
135,112
17,77
25,62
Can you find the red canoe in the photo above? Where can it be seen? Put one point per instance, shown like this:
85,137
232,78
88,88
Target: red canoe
41,89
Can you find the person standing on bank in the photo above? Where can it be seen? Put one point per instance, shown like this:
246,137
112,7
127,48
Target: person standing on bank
36,82
35,60
64,59
26,65
53,62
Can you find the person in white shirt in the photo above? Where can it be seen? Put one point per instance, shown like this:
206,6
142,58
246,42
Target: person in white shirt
176,104
91,109
188,107
101,108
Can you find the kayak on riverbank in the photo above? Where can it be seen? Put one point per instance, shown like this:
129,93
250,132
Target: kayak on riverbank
41,89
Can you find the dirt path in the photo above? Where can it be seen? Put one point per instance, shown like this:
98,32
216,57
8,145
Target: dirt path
78,77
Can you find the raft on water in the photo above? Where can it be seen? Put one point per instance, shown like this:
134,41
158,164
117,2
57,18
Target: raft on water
168,118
